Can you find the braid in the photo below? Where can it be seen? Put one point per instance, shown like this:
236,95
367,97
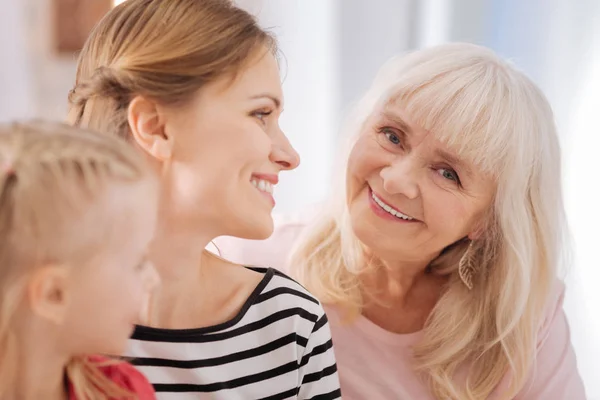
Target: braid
51,166
54,161
48,144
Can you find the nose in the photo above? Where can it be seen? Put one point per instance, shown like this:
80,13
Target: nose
283,154
401,177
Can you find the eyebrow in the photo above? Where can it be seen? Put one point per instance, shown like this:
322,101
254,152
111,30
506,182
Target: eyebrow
455,161
274,99
397,121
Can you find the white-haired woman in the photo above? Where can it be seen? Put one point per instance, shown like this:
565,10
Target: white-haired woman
438,261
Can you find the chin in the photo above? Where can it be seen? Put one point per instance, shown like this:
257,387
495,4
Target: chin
255,229
115,348
262,232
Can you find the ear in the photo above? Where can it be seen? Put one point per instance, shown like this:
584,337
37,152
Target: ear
48,293
148,128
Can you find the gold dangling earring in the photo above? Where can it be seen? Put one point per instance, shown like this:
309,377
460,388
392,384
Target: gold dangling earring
466,267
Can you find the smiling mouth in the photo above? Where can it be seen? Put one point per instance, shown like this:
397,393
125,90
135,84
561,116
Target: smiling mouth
262,185
389,209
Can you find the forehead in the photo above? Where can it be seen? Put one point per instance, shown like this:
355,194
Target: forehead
259,76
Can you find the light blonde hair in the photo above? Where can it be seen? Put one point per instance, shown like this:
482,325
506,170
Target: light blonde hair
165,50
495,117
52,177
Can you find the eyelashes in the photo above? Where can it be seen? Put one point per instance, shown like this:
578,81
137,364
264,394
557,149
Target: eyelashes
261,115
393,140
449,174
390,138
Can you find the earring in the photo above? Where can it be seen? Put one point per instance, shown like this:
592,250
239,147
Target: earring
466,267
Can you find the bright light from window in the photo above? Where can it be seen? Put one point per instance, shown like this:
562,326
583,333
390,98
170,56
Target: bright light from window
117,2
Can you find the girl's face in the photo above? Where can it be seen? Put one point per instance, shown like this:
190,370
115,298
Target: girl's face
110,294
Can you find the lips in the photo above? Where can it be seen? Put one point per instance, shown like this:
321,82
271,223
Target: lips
390,210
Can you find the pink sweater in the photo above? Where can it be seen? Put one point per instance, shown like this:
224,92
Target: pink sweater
374,364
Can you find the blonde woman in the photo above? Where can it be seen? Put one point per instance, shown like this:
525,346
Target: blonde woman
194,86
73,275
437,261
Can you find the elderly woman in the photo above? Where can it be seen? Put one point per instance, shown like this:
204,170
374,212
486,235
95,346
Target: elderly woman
438,261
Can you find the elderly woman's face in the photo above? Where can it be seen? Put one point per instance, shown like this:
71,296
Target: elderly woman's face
409,197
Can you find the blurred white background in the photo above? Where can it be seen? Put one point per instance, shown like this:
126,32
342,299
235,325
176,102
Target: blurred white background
333,49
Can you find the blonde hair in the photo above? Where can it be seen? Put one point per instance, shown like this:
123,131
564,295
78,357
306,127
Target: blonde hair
51,177
495,117
165,50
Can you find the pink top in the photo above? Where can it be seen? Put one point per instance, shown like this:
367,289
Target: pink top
375,364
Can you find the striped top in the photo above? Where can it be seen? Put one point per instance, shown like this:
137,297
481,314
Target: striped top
277,347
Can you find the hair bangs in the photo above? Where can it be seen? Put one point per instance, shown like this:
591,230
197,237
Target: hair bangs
467,109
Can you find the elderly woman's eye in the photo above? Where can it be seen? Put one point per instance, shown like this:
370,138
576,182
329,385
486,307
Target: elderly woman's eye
391,136
449,174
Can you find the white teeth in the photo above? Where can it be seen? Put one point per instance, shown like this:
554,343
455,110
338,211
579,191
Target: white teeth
262,185
389,209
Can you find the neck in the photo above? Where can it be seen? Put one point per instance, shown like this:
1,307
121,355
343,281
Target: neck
177,248
400,295
394,281
42,371
179,255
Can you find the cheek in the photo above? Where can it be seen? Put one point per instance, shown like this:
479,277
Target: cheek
254,145
448,214
366,158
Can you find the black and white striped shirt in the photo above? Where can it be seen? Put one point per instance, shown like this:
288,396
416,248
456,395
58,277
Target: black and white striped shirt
277,347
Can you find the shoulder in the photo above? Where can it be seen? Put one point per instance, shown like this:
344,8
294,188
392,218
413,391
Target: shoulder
288,306
283,292
126,376
555,374
553,310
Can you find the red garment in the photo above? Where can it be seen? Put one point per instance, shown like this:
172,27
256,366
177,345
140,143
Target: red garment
126,376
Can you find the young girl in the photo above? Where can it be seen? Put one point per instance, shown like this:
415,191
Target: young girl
195,86
76,216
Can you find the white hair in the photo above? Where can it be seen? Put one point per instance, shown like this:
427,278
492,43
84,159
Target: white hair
492,115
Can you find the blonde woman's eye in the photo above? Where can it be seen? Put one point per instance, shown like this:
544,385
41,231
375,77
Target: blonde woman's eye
262,114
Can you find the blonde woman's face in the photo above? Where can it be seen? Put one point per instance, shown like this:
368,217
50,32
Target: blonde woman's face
229,151
409,196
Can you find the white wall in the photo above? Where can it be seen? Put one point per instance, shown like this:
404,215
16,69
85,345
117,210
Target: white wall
332,50
307,31
582,201
34,80
16,90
